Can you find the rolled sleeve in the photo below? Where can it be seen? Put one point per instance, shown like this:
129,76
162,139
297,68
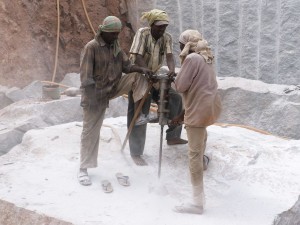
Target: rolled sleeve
169,44
138,43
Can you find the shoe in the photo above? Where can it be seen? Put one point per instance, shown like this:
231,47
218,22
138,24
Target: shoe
205,162
141,120
176,141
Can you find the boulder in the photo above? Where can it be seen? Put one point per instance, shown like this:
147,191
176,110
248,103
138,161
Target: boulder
261,105
289,217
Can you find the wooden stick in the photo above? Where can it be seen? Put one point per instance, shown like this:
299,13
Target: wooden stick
136,114
50,82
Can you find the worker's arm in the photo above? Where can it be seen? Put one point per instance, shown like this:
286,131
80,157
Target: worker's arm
171,64
139,61
140,69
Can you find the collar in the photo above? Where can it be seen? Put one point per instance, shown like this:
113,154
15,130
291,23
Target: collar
100,41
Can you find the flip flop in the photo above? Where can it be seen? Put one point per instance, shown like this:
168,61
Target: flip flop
84,179
123,180
106,186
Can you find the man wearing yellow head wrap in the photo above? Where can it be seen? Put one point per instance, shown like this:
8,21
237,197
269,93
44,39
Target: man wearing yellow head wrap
197,82
158,16
151,45
102,63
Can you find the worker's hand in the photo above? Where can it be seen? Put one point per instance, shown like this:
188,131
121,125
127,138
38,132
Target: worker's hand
148,73
90,93
172,75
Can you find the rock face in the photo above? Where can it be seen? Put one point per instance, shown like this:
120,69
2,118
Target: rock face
11,214
257,40
29,31
30,110
289,217
261,105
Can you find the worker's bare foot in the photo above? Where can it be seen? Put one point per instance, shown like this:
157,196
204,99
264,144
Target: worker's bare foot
139,161
176,141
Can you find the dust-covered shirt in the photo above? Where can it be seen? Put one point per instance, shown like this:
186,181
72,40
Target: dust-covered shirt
197,82
153,51
100,67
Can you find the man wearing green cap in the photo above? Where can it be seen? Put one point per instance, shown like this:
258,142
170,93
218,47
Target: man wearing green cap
102,63
151,45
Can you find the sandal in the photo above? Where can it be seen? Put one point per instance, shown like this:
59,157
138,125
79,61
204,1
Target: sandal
106,186
123,180
84,178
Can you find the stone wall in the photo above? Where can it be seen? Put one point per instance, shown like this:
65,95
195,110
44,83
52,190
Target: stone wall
258,40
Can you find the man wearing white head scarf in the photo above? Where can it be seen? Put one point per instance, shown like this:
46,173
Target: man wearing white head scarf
102,63
197,82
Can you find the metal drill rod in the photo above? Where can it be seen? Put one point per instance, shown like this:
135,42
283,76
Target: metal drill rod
160,149
164,85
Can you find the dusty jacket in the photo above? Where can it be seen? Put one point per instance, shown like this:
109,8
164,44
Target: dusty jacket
197,82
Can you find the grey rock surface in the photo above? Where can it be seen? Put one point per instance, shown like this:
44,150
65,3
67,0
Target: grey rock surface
12,215
71,80
257,40
261,105
289,217
24,115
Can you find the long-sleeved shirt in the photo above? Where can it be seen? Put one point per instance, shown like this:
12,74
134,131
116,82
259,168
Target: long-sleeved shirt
197,82
98,66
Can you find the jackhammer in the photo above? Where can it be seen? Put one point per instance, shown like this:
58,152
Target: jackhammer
163,109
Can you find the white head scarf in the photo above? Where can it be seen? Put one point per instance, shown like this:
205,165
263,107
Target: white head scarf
194,42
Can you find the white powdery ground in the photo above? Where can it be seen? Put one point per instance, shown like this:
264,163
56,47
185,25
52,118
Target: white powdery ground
251,177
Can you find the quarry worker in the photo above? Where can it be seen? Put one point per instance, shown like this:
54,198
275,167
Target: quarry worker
197,82
149,48
101,65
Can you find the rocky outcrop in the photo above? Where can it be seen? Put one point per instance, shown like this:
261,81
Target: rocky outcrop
33,111
289,217
258,40
13,215
269,107
250,39
29,31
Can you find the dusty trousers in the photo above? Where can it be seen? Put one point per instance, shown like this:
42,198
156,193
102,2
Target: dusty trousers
93,118
197,137
90,136
137,137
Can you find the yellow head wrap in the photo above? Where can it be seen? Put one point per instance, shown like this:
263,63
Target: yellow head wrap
154,15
